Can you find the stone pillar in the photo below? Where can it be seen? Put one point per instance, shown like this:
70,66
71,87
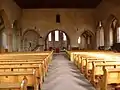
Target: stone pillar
9,39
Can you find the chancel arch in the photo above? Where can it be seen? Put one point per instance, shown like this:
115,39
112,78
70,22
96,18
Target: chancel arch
57,39
30,40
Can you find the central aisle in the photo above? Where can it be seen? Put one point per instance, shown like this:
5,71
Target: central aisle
63,75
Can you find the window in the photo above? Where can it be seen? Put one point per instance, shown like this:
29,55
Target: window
79,40
118,35
56,35
64,37
100,24
57,18
111,36
49,37
4,40
101,37
88,40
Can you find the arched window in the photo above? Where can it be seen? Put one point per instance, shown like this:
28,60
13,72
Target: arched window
114,32
4,41
57,39
118,35
111,36
56,35
88,42
100,35
64,37
49,37
79,40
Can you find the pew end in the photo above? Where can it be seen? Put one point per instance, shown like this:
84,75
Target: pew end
14,86
111,79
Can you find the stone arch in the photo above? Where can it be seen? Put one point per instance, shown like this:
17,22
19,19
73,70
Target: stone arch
68,38
87,39
5,19
30,39
55,30
108,29
30,30
88,32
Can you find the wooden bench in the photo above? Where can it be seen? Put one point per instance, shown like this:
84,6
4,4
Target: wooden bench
89,66
24,63
25,68
110,77
15,64
102,59
15,86
28,59
73,52
84,63
98,69
15,78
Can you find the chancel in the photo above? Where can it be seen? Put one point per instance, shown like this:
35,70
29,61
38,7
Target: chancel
59,45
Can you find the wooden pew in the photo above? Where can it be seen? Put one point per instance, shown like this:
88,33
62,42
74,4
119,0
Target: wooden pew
11,55
45,60
73,52
18,61
110,77
89,66
85,60
84,63
14,86
7,78
25,68
27,57
43,69
23,56
98,70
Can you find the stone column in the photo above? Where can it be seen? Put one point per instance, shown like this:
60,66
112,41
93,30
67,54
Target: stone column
9,39
97,37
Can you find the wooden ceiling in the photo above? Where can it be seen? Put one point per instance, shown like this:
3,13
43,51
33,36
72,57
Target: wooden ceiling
33,4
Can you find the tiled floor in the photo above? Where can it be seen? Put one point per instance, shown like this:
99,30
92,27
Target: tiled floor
63,75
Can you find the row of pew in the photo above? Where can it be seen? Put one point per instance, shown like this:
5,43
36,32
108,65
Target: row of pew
24,70
101,68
